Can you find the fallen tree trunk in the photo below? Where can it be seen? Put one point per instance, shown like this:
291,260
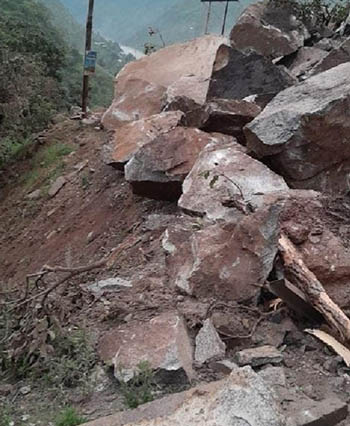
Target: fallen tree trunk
301,276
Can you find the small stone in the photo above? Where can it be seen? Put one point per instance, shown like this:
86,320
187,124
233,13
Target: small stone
35,195
332,364
91,236
259,356
273,376
25,390
6,389
225,366
57,186
51,234
110,284
328,412
208,343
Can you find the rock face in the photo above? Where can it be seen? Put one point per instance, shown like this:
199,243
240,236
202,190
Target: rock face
224,180
163,342
270,31
128,139
158,168
242,399
208,344
223,262
141,85
304,131
229,117
239,74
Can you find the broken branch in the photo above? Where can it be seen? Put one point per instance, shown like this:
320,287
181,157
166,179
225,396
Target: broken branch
301,276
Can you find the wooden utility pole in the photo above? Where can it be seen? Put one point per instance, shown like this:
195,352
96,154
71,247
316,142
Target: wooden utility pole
208,18
88,45
225,17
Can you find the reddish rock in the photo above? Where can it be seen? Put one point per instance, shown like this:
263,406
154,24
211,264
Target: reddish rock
225,183
128,139
335,57
163,342
134,99
223,262
229,116
269,30
141,84
237,75
304,131
158,168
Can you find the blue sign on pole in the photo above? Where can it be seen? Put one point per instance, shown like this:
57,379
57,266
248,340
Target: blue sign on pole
90,62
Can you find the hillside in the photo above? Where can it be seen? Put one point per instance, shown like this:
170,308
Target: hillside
178,20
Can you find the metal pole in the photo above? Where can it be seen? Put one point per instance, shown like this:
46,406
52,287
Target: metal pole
225,17
88,44
208,18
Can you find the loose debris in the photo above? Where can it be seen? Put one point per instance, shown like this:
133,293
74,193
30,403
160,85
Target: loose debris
333,343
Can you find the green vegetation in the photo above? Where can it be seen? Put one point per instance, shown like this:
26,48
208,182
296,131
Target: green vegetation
139,389
41,57
69,417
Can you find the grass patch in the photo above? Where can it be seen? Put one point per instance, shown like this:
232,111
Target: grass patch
69,417
139,389
53,153
12,150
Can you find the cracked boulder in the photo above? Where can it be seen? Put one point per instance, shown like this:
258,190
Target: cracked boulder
270,30
163,342
241,399
225,183
227,262
304,132
159,167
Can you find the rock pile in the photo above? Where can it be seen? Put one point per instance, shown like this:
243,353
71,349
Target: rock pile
240,133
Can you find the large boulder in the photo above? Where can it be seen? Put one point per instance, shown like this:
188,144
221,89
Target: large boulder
225,183
239,74
241,399
270,30
304,131
162,342
225,262
128,139
158,168
141,85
